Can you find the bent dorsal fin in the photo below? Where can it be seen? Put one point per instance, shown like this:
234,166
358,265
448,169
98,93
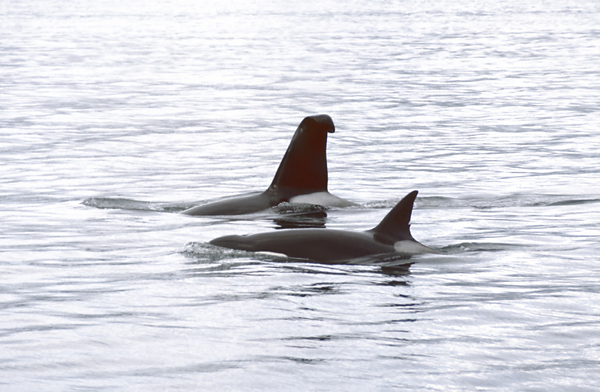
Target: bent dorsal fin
396,224
304,165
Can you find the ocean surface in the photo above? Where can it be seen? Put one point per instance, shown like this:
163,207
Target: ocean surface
116,116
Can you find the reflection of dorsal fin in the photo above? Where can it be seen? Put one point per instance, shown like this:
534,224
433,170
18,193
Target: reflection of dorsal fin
396,224
304,165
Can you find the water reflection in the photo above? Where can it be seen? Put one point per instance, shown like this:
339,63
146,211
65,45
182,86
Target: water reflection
305,220
402,270
299,216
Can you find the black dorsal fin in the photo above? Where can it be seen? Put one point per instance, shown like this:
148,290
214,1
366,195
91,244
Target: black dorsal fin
304,165
396,224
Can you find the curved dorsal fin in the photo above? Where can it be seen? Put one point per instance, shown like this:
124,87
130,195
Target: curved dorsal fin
304,165
396,224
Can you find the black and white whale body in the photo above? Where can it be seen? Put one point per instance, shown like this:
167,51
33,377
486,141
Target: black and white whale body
391,235
300,178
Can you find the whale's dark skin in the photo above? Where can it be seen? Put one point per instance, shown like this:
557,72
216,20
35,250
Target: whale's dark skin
302,171
392,235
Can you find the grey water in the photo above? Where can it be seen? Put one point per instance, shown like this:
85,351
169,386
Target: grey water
115,116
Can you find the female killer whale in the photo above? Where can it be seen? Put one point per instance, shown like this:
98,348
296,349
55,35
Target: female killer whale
391,235
300,178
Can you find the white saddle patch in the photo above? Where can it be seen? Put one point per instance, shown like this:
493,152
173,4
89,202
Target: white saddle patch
324,199
412,248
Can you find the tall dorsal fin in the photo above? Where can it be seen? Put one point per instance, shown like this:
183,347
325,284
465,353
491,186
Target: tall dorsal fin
304,165
396,224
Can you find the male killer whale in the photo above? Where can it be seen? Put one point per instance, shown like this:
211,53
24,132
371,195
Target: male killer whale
300,178
391,235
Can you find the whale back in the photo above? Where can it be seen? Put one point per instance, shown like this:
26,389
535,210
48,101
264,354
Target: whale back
303,168
395,226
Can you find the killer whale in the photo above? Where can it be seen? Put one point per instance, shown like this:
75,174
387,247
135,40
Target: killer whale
300,178
391,235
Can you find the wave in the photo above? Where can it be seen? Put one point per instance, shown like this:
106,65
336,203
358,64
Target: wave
133,205
465,247
503,201
210,253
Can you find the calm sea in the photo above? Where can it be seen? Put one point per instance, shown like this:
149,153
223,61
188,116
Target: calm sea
116,115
